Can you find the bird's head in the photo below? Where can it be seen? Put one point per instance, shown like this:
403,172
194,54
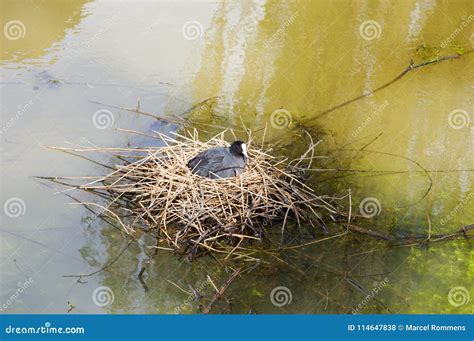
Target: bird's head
239,148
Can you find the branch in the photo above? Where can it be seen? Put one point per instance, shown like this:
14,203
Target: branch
221,291
104,267
409,68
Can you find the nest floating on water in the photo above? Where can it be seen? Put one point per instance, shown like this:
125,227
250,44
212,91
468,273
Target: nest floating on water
195,213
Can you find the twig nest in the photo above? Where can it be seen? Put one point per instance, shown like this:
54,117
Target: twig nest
194,213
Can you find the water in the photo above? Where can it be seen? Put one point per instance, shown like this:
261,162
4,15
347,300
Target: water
258,57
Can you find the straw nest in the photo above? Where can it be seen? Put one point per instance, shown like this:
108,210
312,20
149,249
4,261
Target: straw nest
192,213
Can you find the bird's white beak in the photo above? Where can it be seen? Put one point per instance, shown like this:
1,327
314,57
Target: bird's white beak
244,150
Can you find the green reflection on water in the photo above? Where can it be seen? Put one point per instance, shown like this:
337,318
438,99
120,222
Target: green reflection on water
305,57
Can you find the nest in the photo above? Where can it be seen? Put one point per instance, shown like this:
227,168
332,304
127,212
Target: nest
192,213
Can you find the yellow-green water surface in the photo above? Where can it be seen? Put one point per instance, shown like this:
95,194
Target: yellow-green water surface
264,63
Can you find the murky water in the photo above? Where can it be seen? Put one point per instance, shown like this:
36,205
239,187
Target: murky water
263,59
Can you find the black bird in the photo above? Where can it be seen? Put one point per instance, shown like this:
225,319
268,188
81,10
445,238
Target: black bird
220,162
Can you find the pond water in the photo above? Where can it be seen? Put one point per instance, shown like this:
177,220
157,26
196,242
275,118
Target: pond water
409,147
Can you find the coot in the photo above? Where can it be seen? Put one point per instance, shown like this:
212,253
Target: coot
220,162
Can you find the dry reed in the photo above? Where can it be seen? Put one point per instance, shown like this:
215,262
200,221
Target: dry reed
192,213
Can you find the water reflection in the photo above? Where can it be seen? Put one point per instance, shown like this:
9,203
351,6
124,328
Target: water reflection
115,53
402,140
32,29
